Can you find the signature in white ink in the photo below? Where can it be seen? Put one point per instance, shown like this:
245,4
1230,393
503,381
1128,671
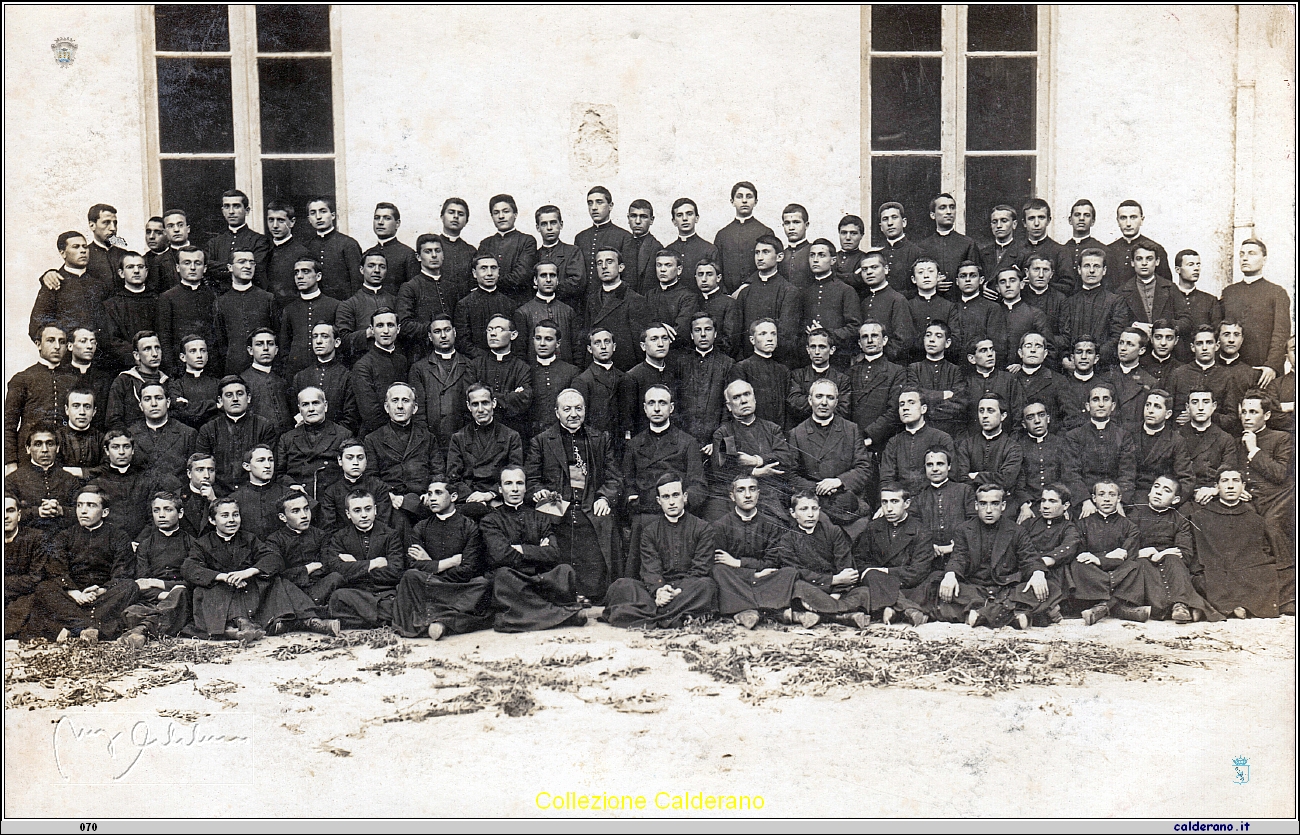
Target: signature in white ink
81,742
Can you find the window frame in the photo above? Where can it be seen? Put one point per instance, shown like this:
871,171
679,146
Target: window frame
952,103
245,109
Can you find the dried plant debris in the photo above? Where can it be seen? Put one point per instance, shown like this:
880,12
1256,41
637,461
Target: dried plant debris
1207,643
79,674
814,667
189,717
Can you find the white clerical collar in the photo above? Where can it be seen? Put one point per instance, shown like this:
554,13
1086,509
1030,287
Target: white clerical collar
1129,240
257,483
920,424
447,355
601,225
823,276
500,357
823,423
703,354
451,239
684,238
551,245
374,291
1204,428
797,243
1127,368
1082,378
282,241
765,278
1226,504
171,532
443,517
501,234
1038,439
657,365
1012,305
326,233
875,290
386,241
545,299
971,298
1033,242
943,233
195,287
179,247
481,289
1152,432
896,241
605,365
1099,424
742,515
43,361
159,426
430,275
761,355
933,293
989,437
96,242
74,270
664,288
871,358
1251,279
265,369
238,289
234,230
193,373
1151,279
1079,240
1001,245
659,430
309,296
136,290
1205,366
97,527
235,418
1228,360
545,363
985,374
387,350
1029,372
821,370
225,538
940,484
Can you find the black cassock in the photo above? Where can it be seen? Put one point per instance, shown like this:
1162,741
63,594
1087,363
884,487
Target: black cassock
1234,548
906,549
1171,580
758,543
531,588
1114,579
25,559
993,563
365,599
297,551
161,556
677,554
78,559
459,598
265,598
817,557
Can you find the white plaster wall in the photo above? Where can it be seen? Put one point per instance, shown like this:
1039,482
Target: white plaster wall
72,139
461,101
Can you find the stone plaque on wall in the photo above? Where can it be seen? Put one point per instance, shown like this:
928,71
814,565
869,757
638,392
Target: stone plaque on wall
593,141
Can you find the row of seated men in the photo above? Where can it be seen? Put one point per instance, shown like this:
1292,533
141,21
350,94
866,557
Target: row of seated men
593,495
519,567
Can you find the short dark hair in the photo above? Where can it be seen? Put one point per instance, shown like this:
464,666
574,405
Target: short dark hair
1266,401
426,238
892,204
327,199
169,212
282,206
191,337
97,210
1060,490
1183,253
1003,207
683,201
382,310
668,477
852,220
234,192
934,201
989,487
800,495
374,252
117,432
258,333
135,340
1132,203
600,190
1036,203
1263,250
397,213
669,253
196,457
795,208
503,198
1083,201
642,203
826,242
895,487
548,323
480,257
63,239
548,209
744,184
230,380
454,201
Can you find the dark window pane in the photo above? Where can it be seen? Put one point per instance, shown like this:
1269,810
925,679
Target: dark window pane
1003,28
283,28
195,185
296,181
911,28
994,180
194,111
912,181
184,28
296,103
905,114
1001,103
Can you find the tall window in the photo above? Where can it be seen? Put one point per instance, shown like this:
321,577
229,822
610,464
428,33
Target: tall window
955,100
246,97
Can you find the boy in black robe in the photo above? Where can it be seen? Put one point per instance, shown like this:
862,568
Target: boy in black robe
896,557
164,604
1241,576
300,546
370,557
1104,575
446,588
1167,556
747,559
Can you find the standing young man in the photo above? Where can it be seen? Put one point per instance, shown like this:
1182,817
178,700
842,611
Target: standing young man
1119,253
899,252
338,255
237,238
286,251
400,258
515,251
1265,306
947,246
736,240
602,234
457,253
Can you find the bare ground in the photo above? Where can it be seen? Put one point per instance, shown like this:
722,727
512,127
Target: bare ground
942,721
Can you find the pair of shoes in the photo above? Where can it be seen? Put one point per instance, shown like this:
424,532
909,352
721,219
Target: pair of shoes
748,618
1240,612
321,626
436,631
917,617
1141,614
1096,613
887,615
247,631
90,636
808,619
1181,613
134,638
1020,621
860,619
277,627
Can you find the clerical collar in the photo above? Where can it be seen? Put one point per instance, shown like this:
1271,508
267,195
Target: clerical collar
659,430
326,233
1099,424
309,296
136,290
605,365
192,287
1003,245
612,287
685,238
900,521
179,247
1148,280
482,289
1106,517
1150,431
985,374
362,530
989,437
1129,240
266,369
932,294
1038,439
1082,378
742,515
664,288
875,290
443,517
1127,368
740,219
386,241
43,361
42,469
943,233
761,355
234,230
97,527
1228,360
159,426
1159,510
595,225
657,365
823,423
703,354
971,298
406,424
193,373
1029,372
1012,304
920,424
1205,366
225,538
940,484
1203,428
1035,242
70,270
447,355
1086,289
797,243
9,538
500,357
282,241
387,350
98,243
896,241
235,418
430,275
821,370
1154,358
546,363
120,470
192,490
1251,279
451,239
872,358
551,245
1079,240
501,234
374,291
1226,504
545,299
254,482
238,289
